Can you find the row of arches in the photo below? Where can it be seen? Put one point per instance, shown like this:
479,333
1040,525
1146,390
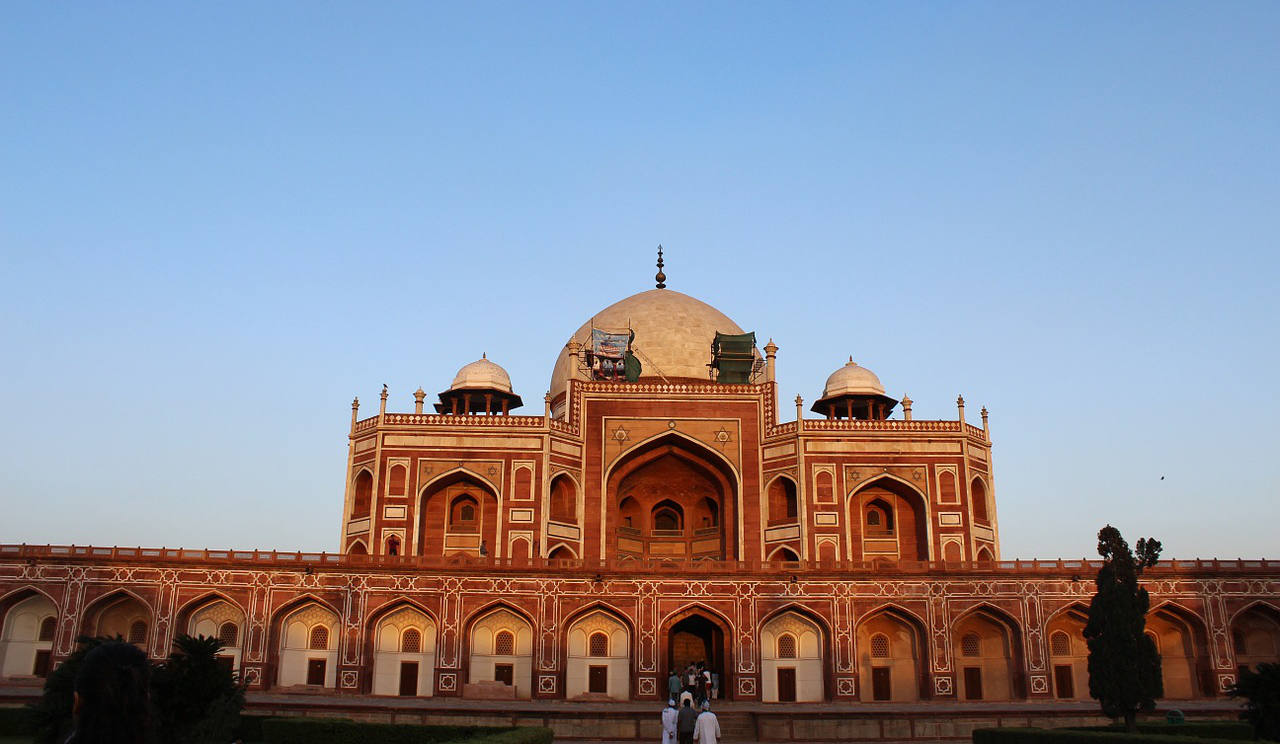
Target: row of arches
985,649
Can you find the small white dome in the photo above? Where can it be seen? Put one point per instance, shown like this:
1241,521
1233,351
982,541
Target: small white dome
482,374
852,380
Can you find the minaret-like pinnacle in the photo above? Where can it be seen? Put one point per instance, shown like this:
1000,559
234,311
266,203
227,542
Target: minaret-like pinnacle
661,277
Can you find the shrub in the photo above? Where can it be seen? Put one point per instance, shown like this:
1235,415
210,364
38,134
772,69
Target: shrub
1080,736
1261,691
17,722
342,731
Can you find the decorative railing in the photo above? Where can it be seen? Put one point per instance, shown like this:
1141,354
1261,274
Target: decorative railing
670,388
436,419
1075,570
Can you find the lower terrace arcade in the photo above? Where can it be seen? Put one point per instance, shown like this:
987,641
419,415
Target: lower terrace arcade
771,632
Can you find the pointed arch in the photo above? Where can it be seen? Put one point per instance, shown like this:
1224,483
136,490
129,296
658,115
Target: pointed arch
1183,640
1255,634
436,533
563,502
358,547
712,492
1258,604
289,645
787,648
782,500
1067,651
401,666
489,661
584,628
979,501
92,616
912,528
361,492
716,631
783,553
28,628
562,546
898,672
994,672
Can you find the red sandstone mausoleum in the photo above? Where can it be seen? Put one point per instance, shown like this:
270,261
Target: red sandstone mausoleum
655,512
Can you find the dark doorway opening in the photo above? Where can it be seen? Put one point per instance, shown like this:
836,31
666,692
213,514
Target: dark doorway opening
598,679
1063,680
972,683
881,689
504,673
315,672
44,661
694,639
408,678
787,685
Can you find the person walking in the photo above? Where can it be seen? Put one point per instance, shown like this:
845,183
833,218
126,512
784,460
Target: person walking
706,729
686,722
673,685
669,716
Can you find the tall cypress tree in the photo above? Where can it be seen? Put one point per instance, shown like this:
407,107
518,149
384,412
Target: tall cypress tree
1124,665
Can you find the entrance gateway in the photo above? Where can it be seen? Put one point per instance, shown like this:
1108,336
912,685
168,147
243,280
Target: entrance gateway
696,638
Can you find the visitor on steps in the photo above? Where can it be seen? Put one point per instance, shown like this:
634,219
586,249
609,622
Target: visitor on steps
706,728
673,685
669,716
686,722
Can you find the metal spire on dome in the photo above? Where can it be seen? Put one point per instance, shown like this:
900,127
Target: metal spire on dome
661,277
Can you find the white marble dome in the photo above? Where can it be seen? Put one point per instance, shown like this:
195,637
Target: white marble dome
482,374
852,380
673,335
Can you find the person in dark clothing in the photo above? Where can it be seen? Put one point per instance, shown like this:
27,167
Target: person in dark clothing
112,696
673,685
686,722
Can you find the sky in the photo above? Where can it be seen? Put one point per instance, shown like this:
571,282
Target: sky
219,222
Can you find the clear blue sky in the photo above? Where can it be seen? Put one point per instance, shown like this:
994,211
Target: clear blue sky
220,221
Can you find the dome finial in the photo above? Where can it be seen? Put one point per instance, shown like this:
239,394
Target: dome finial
661,277
484,355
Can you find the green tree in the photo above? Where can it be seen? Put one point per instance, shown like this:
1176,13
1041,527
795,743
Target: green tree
1261,690
196,698
1124,665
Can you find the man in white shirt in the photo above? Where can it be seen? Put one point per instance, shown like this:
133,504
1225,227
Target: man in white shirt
707,728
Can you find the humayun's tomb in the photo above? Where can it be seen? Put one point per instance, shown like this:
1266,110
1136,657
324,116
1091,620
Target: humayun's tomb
656,511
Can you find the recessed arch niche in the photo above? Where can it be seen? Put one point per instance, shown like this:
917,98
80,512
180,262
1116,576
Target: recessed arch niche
672,498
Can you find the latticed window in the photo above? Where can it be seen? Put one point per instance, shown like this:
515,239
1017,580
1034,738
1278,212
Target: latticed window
873,518
504,644
319,639
411,641
598,645
880,646
138,632
229,634
970,645
786,646
1060,644
47,628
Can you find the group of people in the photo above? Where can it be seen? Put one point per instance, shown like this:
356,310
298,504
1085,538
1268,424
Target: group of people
681,721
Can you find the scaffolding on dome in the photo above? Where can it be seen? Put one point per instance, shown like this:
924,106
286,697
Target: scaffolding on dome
734,360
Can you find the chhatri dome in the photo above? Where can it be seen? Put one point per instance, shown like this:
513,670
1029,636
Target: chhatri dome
673,334
479,387
854,392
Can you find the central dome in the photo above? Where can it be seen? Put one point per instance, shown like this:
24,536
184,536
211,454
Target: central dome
673,335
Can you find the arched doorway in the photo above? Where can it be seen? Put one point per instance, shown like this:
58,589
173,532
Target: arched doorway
1255,636
500,649
458,515
404,653
216,617
889,647
26,637
791,669
888,520
1069,653
988,656
598,657
673,499
1184,653
693,636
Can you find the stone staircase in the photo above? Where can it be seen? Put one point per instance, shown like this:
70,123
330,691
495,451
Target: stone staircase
737,727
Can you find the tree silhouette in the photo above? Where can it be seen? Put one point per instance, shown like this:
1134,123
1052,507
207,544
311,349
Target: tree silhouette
1124,665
